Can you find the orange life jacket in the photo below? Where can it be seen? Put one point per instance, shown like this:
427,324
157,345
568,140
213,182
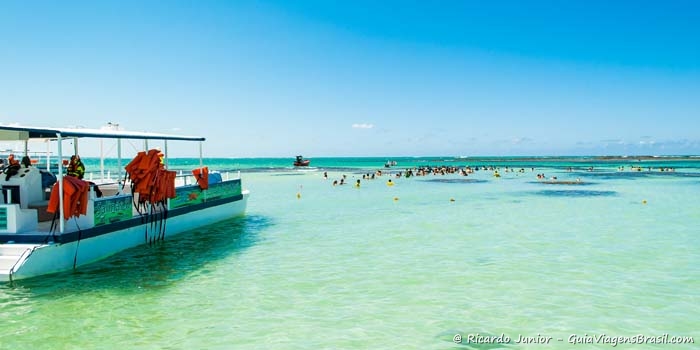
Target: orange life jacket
149,178
170,184
202,177
75,197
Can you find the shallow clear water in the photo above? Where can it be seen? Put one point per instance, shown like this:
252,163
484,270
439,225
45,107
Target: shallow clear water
400,267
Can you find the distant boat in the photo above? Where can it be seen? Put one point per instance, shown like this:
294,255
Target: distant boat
300,161
389,163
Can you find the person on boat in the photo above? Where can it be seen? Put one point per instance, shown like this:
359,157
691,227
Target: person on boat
161,156
11,160
76,167
26,161
12,167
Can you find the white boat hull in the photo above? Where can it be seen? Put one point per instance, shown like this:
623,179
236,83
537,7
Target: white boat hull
56,257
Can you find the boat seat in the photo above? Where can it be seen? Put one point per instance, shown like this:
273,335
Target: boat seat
41,207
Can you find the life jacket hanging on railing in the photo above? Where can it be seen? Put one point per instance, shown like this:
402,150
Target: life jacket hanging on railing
202,177
75,197
149,178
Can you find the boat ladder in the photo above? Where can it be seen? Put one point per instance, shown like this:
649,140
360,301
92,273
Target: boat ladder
11,257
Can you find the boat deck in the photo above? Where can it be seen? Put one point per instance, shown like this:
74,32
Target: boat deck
42,234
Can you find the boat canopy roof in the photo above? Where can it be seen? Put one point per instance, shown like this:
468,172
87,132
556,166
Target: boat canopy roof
21,133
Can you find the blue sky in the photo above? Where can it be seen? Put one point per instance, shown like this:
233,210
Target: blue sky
363,78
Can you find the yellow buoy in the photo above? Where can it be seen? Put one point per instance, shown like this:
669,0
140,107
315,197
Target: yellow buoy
452,199
396,198
298,195
644,201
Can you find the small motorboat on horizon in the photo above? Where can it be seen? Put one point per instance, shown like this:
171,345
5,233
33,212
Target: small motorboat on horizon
300,161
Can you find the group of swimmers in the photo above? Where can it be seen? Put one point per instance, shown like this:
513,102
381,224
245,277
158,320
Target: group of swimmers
424,171
639,168
465,171
368,176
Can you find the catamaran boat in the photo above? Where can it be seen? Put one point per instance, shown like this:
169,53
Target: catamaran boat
61,227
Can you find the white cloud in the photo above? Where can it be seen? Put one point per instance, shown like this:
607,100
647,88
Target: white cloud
521,140
613,141
362,126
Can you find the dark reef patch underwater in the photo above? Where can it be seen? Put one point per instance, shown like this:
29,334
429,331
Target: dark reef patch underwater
575,193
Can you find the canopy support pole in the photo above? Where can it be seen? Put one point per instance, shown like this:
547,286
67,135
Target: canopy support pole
61,223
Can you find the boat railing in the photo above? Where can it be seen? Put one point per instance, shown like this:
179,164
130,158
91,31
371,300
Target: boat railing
184,175
187,177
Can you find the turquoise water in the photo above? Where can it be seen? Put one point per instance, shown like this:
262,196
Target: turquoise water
316,266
